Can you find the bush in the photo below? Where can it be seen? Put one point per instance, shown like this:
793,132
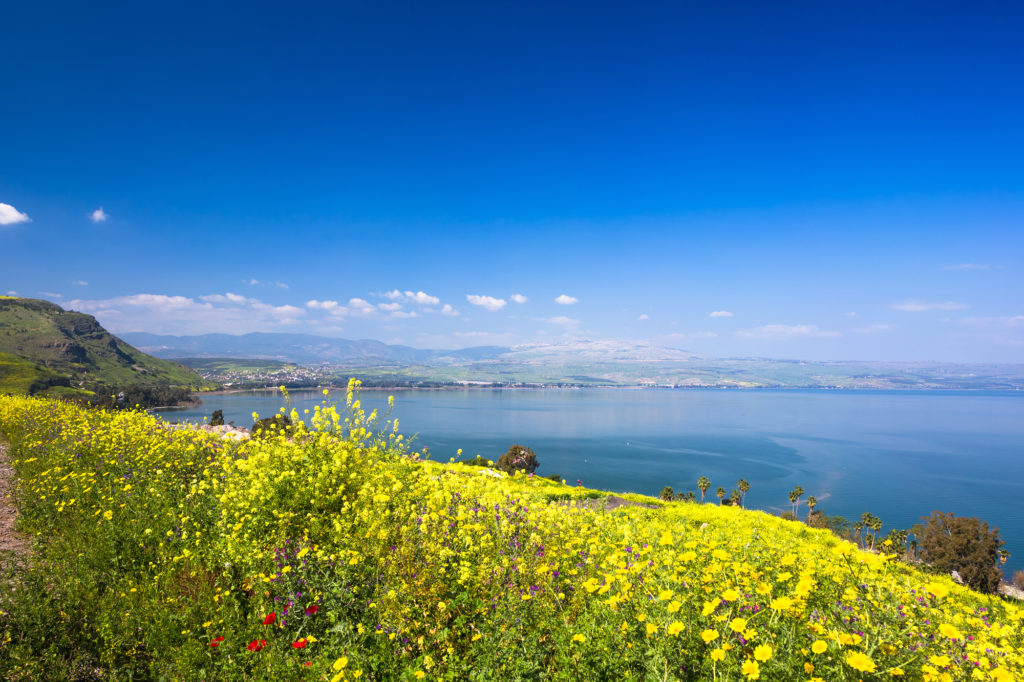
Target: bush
218,418
478,461
667,494
518,458
271,426
965,545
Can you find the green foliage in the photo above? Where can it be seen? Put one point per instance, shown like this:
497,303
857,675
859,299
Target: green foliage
962,544
217,418
478,461
667,494
518,458
268,427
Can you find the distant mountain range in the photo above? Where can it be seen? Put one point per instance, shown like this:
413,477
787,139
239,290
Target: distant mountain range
304,349
46,349
580,363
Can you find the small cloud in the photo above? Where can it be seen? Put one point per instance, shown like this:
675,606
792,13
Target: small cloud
12,292
251,282
361,308
488,302
850,314
784,331
389,306
98,216
450,311
642,316
12,216
518,298
404,314
720,313
228,298
563,321
51,294
321,305
921,306
565,299
418,297
281,285
968,266
80,283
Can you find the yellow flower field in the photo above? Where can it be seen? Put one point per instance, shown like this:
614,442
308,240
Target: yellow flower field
329,553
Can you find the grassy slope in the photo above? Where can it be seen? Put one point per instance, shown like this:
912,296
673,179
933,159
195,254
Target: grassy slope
59,342
402,569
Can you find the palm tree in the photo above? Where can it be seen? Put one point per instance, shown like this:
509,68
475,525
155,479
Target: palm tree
735,497
812,502
744,488
720,493
857,528
876,525
792,500
799,493
703,483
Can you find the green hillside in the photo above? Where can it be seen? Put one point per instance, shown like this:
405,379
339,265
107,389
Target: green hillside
45,349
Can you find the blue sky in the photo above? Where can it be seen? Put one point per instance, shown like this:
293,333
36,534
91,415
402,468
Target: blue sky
800,180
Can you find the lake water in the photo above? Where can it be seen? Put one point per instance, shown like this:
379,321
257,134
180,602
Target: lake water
898,455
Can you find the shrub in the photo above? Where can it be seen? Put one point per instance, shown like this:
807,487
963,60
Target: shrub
518,458
270,426
965,545
218,418
478,461
667,494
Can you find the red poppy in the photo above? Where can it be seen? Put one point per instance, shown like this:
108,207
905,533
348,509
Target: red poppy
308,663
216,642
257,644
301,644
271,617
310,610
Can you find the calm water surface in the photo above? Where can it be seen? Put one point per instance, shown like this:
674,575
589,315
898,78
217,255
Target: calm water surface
899,455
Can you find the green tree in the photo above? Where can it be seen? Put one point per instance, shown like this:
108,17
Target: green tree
735,497
518,458
703,483
720,493
812,502
667,494
799,493
744,489
962,544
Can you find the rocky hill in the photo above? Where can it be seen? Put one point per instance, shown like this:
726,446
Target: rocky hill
45,349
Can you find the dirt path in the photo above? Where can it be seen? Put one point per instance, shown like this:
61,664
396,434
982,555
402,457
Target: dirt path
10,540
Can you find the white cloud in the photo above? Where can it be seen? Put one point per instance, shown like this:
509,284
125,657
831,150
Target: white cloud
488,302
359,307
850,314
565,299
921,306
159,313
720,313
321,305
968,266
418,297
873,328
12,292
229,298
404,314
518,298
389,306
281,285
12,216
252,282
450,311
51,294
642,316
563,321
80,283
784,331
98,216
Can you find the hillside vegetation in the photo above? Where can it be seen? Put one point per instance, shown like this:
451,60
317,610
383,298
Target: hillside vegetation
47,350
331,553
